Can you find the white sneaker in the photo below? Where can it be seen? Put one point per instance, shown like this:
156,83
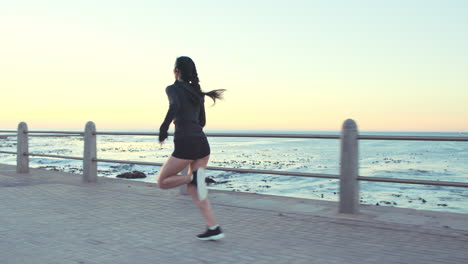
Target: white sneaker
211,234
202,189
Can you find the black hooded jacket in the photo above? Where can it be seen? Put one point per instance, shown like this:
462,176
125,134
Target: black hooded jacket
186,109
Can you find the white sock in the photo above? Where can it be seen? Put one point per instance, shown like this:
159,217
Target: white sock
191,177
213,227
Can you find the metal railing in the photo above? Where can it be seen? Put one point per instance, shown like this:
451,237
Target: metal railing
348,176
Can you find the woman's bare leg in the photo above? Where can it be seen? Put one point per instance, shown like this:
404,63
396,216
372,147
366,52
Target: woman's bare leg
168,177
204,206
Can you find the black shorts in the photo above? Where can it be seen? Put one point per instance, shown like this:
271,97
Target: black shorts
191,147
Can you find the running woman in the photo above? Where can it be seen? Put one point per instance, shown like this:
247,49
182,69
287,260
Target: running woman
191,148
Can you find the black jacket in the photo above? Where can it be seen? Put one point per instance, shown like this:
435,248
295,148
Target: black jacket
186,109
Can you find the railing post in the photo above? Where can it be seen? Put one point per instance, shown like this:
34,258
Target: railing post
183,188
89,153
22,160
349,185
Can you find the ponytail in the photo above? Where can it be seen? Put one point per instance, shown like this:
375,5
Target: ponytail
215,94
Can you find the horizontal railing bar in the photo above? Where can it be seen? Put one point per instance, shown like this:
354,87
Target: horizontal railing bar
273,135
54,135
409,181
8,152
320,136
417,138
286,173
54,156
8,131
228,135
55,132
303,174
129,133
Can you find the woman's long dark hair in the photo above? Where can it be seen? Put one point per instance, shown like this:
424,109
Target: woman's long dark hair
188,73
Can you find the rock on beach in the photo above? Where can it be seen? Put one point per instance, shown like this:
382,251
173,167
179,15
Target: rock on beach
132,175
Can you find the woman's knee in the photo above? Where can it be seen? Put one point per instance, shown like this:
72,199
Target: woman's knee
161,184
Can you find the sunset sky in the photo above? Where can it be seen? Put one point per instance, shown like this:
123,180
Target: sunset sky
288,65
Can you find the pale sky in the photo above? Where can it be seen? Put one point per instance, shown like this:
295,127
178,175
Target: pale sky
289,65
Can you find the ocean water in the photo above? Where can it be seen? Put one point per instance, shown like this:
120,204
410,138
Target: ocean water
422,160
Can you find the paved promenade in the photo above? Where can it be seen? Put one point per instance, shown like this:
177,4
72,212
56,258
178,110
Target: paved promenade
51,217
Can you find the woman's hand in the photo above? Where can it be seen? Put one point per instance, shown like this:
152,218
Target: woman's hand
162,136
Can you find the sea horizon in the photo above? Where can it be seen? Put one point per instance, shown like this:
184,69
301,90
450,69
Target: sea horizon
271,131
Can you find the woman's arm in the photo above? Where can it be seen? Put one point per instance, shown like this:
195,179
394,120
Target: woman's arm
202,116
171,112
